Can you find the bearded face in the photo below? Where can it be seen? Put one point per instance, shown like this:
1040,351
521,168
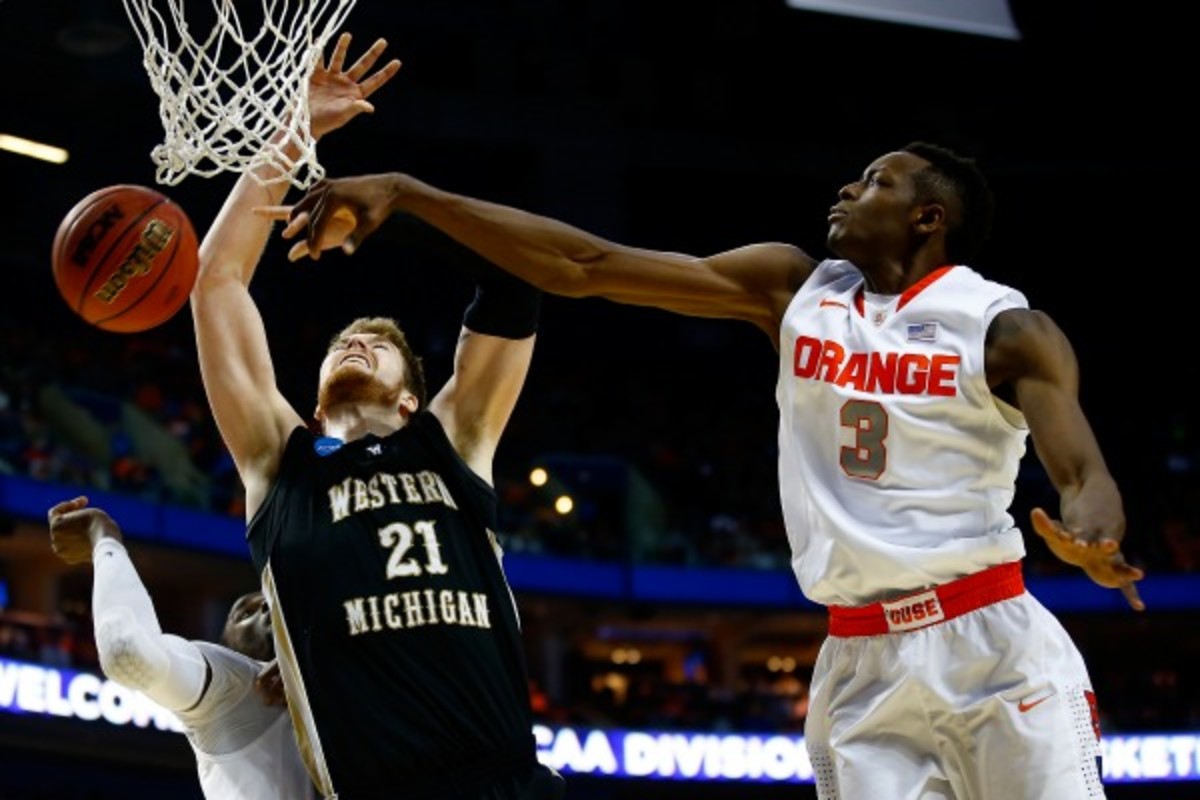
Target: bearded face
361,369
351,384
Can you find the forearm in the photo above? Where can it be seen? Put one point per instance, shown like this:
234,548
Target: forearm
548,254
133,649
235,242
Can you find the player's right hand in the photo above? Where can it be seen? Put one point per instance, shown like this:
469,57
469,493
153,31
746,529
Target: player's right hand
337,213
75,529
1102,561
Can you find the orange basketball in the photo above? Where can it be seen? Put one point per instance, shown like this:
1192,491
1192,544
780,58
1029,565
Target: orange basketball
125,258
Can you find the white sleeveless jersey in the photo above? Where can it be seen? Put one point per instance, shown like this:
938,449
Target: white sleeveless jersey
897,465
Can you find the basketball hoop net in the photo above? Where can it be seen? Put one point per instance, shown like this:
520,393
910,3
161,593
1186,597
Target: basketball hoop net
232,102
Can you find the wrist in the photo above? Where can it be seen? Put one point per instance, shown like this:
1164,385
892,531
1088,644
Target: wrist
105,542
400,191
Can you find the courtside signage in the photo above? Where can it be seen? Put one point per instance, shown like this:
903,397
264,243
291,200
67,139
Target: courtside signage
32,689
52,692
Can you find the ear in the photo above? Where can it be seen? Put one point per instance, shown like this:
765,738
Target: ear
929,218
408,403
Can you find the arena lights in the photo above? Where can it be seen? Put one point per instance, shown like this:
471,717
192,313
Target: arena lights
27,147
30,689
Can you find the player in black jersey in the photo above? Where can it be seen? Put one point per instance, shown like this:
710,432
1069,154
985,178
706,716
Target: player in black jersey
396,631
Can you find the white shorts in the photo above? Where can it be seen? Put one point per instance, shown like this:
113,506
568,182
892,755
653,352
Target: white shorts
995,704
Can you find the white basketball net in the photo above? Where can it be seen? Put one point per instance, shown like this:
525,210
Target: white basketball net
225,98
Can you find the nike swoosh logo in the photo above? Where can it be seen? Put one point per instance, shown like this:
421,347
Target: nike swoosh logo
1023,706
834,303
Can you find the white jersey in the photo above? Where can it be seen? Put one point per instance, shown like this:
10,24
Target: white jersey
897,465
244,748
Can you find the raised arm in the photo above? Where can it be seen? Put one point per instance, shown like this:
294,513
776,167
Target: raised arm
494,347
1028,352
253,416
133,649
753,283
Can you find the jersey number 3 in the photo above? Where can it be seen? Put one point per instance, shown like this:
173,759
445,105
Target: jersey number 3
867,458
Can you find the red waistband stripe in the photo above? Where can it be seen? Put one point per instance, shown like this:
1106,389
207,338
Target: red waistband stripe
927,607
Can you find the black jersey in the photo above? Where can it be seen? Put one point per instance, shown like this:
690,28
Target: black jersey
395,626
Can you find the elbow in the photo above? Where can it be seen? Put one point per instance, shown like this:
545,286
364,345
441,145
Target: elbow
123,655
576,275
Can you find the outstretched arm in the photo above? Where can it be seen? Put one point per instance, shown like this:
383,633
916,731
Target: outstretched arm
134,651
253,416
753,283
1030,353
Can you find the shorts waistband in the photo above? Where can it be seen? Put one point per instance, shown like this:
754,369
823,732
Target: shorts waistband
927,607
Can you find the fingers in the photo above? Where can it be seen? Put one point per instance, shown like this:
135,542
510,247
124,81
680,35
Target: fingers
295,225
298,251
339,53
67,506
371,84
1045,526
1132,597
277,213
366,60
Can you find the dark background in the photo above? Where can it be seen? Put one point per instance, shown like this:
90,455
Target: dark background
692,127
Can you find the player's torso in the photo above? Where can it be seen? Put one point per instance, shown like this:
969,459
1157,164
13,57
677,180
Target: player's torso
245,749
398,616
896,464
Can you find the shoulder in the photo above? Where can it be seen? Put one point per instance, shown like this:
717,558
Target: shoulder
223,659
1022,342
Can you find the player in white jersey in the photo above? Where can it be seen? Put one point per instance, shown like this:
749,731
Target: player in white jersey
908,385
241,732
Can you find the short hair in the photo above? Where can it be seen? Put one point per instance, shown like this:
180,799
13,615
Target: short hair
388,329
951,176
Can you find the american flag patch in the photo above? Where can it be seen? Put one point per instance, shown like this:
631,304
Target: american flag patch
922,331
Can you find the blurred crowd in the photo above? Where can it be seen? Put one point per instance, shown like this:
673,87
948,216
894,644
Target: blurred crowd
662,481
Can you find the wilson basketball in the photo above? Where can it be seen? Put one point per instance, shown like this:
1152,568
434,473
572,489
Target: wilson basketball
125,258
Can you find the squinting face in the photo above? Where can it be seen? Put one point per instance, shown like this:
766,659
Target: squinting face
361,368
248,627
874,215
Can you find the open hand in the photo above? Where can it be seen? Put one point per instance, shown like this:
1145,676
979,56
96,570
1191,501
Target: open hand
1102,560
337,95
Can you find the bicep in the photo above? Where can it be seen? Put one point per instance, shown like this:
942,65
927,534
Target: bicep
239,378
752,283
476,403
1030,354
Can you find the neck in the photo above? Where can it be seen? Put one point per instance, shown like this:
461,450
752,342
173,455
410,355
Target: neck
349,422
894,276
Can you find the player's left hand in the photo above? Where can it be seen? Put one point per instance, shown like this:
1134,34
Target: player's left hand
1102,560
337,95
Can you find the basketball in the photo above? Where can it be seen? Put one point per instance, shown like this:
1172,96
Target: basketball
125,258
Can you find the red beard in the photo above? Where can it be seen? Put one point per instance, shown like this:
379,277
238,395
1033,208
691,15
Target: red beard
356,386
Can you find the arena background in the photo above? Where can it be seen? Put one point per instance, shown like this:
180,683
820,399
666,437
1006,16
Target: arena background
661,605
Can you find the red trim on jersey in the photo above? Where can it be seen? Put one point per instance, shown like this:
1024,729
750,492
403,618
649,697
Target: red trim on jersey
908,294
943,603
921,285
